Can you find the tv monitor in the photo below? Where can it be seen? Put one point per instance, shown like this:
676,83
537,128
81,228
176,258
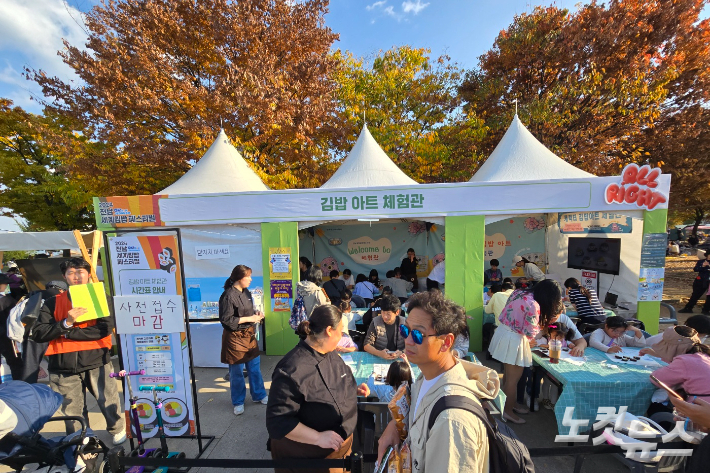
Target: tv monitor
595,254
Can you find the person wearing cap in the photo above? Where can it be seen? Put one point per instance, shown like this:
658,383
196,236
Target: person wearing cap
79,354
532,272
7,302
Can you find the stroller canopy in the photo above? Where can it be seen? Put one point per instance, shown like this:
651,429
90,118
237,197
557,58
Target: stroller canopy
33,405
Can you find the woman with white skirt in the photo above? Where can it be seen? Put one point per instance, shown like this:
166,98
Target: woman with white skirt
525,313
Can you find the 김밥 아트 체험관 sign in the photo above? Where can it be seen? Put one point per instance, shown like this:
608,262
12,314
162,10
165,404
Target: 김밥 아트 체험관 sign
370,202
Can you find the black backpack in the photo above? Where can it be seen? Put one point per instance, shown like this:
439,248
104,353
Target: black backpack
507,454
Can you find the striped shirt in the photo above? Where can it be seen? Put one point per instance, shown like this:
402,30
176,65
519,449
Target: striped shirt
587,311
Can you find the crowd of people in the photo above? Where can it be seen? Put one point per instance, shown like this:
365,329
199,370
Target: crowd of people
311,407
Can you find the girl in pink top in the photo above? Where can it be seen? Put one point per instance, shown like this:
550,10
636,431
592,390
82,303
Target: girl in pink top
691,372
520,321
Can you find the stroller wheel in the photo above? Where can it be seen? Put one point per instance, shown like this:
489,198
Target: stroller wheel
181,455
104,467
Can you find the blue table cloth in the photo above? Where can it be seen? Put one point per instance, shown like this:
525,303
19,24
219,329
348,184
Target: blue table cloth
363,364
591,385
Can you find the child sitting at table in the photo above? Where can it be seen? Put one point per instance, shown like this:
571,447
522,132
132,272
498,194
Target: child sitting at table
398,372
612,337
346,344
549,393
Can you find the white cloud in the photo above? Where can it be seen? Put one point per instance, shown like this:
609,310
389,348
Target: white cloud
33,31
390,12
415,7
376,5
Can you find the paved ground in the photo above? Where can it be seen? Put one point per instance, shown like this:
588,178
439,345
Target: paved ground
245,436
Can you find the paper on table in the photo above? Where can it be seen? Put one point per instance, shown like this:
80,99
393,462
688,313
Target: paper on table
91,297
380,372
575,360
644,360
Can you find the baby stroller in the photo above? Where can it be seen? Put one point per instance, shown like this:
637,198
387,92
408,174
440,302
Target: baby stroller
24,409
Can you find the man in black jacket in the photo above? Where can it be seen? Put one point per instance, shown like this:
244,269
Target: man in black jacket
334,288
700,286
79,354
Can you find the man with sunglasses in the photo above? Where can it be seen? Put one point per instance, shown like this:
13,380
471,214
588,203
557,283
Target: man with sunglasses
457,441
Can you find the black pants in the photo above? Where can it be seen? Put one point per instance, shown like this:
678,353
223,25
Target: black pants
700,288
431,284
32,353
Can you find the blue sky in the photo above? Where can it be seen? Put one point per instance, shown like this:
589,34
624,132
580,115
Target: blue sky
32,33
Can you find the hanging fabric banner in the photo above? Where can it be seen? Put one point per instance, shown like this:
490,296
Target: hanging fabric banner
518,236
361,248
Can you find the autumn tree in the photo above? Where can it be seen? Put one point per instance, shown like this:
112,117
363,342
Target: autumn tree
34,183
412,109
591,84
158,78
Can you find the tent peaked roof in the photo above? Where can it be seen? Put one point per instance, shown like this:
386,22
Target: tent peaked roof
520,156
221,169
367,166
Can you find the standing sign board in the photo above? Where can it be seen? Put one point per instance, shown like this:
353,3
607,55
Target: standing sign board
590,280
146,271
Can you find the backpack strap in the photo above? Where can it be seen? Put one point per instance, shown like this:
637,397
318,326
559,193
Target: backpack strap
460,402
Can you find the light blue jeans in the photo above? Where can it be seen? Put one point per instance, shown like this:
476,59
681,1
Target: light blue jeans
238,387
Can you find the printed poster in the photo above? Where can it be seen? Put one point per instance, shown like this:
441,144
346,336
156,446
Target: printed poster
145,267
594,222
203,295
281,295
651,284
280,263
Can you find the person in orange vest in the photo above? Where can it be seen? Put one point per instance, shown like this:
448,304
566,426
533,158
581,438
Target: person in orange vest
79,354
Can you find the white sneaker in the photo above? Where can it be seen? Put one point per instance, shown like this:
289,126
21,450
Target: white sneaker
239,410
264,401
119,438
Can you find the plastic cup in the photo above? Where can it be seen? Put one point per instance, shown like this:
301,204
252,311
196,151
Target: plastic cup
555,351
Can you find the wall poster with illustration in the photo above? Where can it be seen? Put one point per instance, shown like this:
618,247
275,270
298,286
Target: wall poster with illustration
522,235
380,246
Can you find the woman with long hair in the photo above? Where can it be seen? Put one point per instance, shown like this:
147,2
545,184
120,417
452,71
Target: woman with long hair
527,311
312,410
239,346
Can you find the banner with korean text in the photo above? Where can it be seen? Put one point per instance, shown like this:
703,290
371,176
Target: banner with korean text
150,320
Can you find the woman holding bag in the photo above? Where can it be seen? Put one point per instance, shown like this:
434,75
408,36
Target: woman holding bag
239,347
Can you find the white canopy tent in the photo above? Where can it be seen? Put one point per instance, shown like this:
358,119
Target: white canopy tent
521,157
38,241
367,165
221,169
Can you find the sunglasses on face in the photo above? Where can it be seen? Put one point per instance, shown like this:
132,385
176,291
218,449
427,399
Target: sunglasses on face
417,336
